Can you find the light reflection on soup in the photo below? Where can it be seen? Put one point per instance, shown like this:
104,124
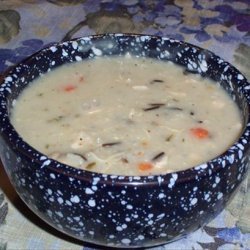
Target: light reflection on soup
127,116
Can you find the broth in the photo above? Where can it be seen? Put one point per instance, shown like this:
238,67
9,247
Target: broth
127,116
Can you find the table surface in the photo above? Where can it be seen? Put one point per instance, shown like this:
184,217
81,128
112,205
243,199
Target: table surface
28,25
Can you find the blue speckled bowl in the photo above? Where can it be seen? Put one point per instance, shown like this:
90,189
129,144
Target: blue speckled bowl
124,211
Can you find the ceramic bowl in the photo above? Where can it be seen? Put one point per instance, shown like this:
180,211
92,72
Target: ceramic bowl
124,211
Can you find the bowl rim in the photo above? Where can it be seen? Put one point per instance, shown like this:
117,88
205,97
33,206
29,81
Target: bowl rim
180,177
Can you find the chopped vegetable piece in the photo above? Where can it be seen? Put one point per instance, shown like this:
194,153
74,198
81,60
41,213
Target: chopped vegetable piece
109,144
90,165
56,119
145,166
84,158
200,133
157,104
175,108
153,106
69,88
158,156
169,138
124,160
156,81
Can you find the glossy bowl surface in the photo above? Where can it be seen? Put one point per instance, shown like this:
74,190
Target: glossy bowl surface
124,211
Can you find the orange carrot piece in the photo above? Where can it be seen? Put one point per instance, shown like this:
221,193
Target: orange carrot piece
145,166
69,88
200,133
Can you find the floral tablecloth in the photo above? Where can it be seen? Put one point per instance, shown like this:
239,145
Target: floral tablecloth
222,26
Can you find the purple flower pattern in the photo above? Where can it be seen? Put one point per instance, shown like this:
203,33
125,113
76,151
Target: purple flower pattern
199,22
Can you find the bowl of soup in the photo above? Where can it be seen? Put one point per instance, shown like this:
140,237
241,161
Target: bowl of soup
125,140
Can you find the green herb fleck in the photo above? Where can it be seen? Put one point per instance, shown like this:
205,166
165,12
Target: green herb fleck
169,138
56,119
156,81
90,165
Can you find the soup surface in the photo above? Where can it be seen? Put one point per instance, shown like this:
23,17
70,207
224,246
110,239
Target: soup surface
127,116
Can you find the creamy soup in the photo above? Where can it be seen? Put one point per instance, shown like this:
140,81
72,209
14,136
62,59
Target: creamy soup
127,116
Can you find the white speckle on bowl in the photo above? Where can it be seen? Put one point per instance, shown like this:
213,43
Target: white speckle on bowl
123,202
59,214
240,77
53,49
193,201
75,199
172,180
74,45
141,237
8,79
49,191
126,241
231,159
220,195
161,195
96,180
96,51
150,216
119,228
89,191
68,203
64,53
202,166
160,216
217,179
46,163
78,58
51,199
129,207
160,180
91,203
150,222
76,218
206,196
60,200
52,175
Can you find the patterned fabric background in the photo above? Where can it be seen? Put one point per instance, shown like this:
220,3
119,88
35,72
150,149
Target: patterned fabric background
222,26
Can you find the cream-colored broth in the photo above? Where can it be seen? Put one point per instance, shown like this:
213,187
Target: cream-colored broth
127,116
